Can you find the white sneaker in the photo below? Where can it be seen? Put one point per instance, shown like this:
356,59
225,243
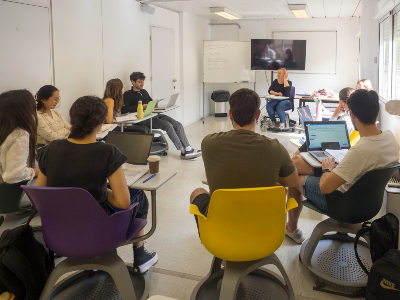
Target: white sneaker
296,235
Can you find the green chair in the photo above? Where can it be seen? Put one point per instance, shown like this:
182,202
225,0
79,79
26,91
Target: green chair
10,198
331,257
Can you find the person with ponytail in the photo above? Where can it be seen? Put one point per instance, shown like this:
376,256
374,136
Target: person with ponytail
80,161
17,137
51,124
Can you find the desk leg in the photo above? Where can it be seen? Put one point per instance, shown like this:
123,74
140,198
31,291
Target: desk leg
121,126
151,125
153,220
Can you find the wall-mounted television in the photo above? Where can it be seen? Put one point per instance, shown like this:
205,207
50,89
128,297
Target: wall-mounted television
272,54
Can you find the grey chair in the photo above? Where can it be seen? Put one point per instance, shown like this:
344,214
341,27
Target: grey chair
331,257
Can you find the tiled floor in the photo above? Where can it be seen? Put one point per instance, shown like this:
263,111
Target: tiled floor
183,261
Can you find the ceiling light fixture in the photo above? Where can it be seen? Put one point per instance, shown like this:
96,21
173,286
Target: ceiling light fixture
299,10
225,13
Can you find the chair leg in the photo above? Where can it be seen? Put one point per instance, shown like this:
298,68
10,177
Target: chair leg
215,268
236,271
110,263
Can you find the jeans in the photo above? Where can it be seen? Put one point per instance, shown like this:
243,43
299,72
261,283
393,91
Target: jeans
279,107
312,192
173,128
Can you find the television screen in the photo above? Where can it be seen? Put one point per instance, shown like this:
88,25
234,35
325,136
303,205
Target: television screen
272,54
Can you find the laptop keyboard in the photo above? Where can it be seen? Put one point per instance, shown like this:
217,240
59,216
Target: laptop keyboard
319,153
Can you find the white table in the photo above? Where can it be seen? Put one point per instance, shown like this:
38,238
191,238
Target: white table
310,160
161,111
152,185
102,135
274,97
152,115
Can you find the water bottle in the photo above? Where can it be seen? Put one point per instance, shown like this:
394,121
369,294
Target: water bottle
140,110
318,116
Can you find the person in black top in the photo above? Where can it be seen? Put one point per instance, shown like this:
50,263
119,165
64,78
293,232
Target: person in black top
81,161
279,87
173,128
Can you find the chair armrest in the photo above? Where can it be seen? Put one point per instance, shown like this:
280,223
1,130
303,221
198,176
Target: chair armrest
194,210
291,203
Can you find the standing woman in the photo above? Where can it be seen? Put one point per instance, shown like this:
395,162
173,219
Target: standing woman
17,137
279,87
51,124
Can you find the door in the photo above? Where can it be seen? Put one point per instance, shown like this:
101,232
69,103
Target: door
162,62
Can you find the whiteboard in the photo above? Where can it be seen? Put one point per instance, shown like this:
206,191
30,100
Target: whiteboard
25,59
226,62
321,50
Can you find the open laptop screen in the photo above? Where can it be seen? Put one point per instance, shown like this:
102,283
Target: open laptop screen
329,131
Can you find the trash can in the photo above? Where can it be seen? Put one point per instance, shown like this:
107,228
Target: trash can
220,98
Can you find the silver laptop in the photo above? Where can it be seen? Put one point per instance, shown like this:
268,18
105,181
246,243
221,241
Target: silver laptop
318,132
170,103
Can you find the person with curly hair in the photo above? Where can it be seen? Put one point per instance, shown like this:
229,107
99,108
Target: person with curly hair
80,161
174,129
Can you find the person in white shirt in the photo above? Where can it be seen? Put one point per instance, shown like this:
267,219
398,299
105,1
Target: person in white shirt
17,137
51,124
376,149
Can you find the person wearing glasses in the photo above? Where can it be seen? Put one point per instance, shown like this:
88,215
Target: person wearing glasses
51,124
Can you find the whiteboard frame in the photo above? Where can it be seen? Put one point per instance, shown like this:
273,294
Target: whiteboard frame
227,81
305,72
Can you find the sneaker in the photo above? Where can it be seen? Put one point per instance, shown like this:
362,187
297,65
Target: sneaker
144,259
282,126
191,154
272,124
296,235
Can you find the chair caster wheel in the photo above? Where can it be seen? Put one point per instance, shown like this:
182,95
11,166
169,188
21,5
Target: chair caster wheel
165,153
299,257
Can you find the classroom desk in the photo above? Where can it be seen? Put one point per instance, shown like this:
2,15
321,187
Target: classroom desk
310,160
162,111
137,121
102,135
302,101
152,185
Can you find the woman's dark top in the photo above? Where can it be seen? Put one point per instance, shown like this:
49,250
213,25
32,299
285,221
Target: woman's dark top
84,166
279,88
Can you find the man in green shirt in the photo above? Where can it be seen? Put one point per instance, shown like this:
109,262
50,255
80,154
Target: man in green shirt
242,158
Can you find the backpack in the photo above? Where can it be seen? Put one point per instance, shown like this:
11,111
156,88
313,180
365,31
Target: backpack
384,278
383,233
25,265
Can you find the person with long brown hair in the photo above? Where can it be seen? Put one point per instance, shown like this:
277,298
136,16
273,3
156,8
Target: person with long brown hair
18,126
113,97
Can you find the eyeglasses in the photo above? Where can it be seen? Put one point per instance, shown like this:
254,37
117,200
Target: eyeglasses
58,99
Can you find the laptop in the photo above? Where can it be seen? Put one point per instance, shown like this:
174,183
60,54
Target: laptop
150,108
304,114
170,103
136,147
319,132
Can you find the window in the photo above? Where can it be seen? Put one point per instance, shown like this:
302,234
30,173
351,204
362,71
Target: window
384,61
396,56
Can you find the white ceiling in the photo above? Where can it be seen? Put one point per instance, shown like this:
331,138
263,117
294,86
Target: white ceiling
255,9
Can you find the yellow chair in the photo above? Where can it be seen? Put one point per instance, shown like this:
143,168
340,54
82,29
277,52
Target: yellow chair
244,227
354,137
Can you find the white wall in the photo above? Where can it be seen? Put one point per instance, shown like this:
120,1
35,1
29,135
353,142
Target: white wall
193,31
347,43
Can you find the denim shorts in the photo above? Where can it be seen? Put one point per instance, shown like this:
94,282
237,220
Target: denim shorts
312,192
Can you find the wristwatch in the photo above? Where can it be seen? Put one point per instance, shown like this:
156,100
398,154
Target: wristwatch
326,171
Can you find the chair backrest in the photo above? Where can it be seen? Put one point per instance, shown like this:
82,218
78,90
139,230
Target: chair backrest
354,137
136,146
10,197
245,224
363,200
74,224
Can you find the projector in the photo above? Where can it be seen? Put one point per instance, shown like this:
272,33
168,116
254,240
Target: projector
147,9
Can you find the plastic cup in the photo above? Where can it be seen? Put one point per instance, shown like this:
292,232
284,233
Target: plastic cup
154,163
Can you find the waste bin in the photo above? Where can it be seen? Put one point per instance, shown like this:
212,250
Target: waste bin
220,98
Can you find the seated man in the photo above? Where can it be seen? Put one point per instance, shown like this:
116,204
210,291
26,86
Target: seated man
173,128
376,149
241,158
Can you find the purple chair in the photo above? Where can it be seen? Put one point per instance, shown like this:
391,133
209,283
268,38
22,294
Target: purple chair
75,226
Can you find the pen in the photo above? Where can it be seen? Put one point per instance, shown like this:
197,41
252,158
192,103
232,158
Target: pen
149,178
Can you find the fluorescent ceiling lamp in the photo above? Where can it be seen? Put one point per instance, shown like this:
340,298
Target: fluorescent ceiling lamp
299,10
225,13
